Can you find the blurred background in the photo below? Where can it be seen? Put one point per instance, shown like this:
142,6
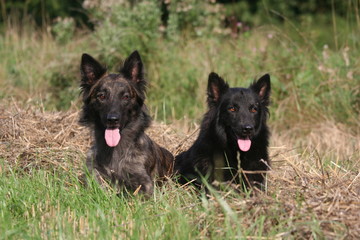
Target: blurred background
309,47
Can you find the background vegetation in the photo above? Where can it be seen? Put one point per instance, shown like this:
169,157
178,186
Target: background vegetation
310,46
311,50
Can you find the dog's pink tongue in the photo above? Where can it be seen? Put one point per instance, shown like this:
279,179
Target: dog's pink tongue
244,144
112,137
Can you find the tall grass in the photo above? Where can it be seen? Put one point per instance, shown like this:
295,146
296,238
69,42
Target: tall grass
35,66
306,67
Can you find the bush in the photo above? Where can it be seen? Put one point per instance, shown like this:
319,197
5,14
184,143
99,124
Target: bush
44,12
63,29
124,27
196,18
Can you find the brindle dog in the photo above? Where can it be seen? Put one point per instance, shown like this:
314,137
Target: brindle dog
113,106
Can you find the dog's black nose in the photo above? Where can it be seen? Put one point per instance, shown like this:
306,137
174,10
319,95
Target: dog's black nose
247,129
113,118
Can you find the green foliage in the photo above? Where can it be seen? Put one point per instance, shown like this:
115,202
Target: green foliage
125,27
197,18
43,11
63,29
257,12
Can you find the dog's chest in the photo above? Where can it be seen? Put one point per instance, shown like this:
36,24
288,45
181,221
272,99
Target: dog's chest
120,161
126,158
225,161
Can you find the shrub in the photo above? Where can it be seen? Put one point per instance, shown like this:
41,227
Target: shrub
124,27
63,29
196,18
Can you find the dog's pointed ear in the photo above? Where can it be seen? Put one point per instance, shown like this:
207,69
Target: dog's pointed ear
91,71
216,88
262,87
133,69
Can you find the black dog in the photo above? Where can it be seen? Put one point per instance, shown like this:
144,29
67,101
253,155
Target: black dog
234,125
114,108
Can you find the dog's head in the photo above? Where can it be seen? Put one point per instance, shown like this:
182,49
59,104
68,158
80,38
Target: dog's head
241,112
112,100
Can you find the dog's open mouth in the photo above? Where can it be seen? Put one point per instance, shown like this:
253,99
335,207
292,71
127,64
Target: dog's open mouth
244,144
112,137
243,141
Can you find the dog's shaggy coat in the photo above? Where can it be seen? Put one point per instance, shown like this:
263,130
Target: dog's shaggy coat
235,125
113,106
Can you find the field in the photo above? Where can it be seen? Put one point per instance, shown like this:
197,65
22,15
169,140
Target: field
313,189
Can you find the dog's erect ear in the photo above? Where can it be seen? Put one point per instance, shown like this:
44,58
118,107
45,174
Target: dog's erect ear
91,71
262,88
133,69
216,88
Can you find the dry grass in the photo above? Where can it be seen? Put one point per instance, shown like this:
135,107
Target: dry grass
314,176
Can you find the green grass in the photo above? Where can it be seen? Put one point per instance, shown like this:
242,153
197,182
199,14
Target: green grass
54,205
50,203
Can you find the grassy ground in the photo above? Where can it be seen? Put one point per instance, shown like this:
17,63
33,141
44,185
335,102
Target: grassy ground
313,191
314,186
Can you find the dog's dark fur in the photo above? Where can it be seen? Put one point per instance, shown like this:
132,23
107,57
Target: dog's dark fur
234,113
112,101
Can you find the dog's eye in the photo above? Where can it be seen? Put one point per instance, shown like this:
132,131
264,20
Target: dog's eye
232,109
125,97
101,96
253,109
